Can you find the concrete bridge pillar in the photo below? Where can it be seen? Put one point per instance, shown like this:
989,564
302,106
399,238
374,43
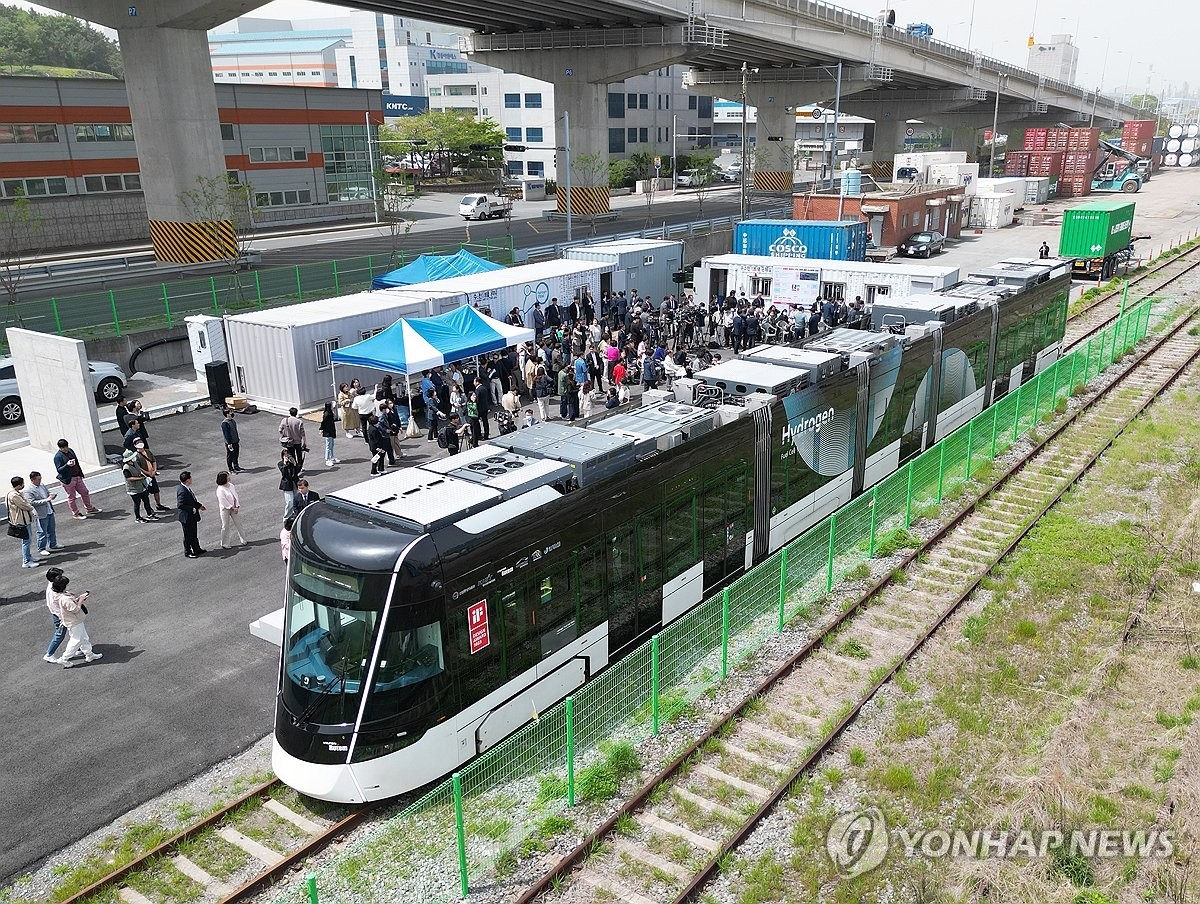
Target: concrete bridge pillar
774,137
581,75
173,104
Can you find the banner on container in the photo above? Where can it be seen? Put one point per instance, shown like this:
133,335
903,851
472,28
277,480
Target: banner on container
795,285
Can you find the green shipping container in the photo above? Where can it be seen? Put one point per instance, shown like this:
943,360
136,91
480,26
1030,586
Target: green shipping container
1096,230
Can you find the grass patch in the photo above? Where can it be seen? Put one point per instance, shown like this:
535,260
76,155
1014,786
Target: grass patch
854,649
550,787
860,572
115,851
1074,868
602,780
858,756
763,881
1025,629
894,541
1169,720
1190,662
896,778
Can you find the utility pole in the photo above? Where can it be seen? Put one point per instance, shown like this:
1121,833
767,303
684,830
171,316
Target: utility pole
567,153
995,124
371,165
674,152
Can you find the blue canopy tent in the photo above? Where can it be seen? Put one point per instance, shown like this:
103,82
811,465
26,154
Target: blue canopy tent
432,267
410,346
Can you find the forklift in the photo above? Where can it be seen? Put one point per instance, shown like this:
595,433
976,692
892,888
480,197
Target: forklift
1106,176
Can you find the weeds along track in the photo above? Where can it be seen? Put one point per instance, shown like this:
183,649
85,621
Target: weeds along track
1104,309
248,843
667,842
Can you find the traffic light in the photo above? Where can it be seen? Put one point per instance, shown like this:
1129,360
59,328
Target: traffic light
418,141
678,277
514,147
479,147
774,138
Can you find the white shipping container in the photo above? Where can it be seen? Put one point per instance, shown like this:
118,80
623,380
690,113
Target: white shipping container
1012,185
964,174
755,274
518,287
924,160
1037,190
643,264
280,357
993,211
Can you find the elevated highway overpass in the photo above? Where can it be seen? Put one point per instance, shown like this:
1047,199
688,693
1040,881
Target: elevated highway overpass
774,54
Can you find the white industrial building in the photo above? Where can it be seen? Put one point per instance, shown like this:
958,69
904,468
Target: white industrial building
1057,59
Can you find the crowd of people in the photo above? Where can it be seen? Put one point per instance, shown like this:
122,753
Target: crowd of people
585,358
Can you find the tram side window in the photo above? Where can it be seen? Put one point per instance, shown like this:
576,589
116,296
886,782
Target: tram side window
978,355
479,673
650,552
554,615
679,536
518,602
589,584
622,584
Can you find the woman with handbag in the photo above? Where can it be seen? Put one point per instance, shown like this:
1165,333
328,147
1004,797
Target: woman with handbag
329,433
73,612
137,487
20,517
231,507
345,404
288,475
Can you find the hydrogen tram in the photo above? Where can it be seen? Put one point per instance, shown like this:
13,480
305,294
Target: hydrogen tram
431,612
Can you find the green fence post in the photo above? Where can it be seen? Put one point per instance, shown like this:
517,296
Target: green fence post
460,831
995,428
908,497
724,633
570,751
1071,377
57,320
1037,396
1054,384
258,289
370,268
337,288
874,507
312,889
782,588
1017,414
167,304
941,467
654,681
970,446
112,301
299,289
832,534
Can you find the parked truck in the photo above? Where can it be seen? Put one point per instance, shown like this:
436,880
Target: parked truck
484,207
1099,236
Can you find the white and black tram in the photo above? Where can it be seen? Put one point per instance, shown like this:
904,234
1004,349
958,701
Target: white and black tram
430,612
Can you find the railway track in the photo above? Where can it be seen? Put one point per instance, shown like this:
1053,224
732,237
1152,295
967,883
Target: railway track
668,841
1104,309
256,838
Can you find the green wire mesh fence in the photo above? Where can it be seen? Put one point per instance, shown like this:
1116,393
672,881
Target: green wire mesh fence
502,797
116,312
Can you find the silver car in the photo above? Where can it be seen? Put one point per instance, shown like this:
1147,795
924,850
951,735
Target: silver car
108,380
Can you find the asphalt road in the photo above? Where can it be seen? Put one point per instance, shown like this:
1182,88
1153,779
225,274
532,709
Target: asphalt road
182,684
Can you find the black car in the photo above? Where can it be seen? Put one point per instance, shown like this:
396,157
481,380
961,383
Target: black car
923,244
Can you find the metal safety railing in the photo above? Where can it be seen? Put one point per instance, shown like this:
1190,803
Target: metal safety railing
485,814
115,312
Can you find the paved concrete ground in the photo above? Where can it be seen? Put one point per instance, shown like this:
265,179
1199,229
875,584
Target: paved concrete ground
1167,209
182,684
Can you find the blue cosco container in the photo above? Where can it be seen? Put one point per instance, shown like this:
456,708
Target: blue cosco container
820,239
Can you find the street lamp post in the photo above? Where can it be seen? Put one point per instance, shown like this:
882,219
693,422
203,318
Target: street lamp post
995,123
745,155
1100,86
371,166
674,152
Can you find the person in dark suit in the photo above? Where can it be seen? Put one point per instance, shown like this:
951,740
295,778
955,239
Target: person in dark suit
304,496
189,509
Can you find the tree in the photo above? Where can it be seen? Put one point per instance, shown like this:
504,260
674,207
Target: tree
449,136
30,39
17,220
705,178
644,169
220,208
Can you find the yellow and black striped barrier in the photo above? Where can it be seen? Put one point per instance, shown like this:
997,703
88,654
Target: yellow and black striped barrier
193,243
770,180
585,201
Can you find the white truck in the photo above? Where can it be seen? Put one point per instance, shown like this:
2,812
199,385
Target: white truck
484,207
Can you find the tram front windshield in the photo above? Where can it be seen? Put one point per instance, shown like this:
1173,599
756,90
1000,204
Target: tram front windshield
330,635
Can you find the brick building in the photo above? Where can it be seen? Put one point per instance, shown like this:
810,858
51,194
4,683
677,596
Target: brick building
891,216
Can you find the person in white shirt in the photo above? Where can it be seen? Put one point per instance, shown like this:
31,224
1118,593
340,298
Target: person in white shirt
231,507
72,613
60,630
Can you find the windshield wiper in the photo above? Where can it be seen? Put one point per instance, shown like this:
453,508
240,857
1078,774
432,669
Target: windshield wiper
324,692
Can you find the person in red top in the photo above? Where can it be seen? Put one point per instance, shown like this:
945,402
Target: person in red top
618,378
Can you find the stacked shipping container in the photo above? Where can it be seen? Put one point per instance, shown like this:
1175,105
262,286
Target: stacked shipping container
1137,136
1067,156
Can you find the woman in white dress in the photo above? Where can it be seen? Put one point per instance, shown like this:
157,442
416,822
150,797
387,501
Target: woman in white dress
231,507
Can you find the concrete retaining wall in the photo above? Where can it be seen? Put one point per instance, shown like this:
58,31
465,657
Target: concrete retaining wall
704,244
117,349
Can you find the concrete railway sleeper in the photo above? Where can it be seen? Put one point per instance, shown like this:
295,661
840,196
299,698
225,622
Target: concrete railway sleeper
684,810
297,836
